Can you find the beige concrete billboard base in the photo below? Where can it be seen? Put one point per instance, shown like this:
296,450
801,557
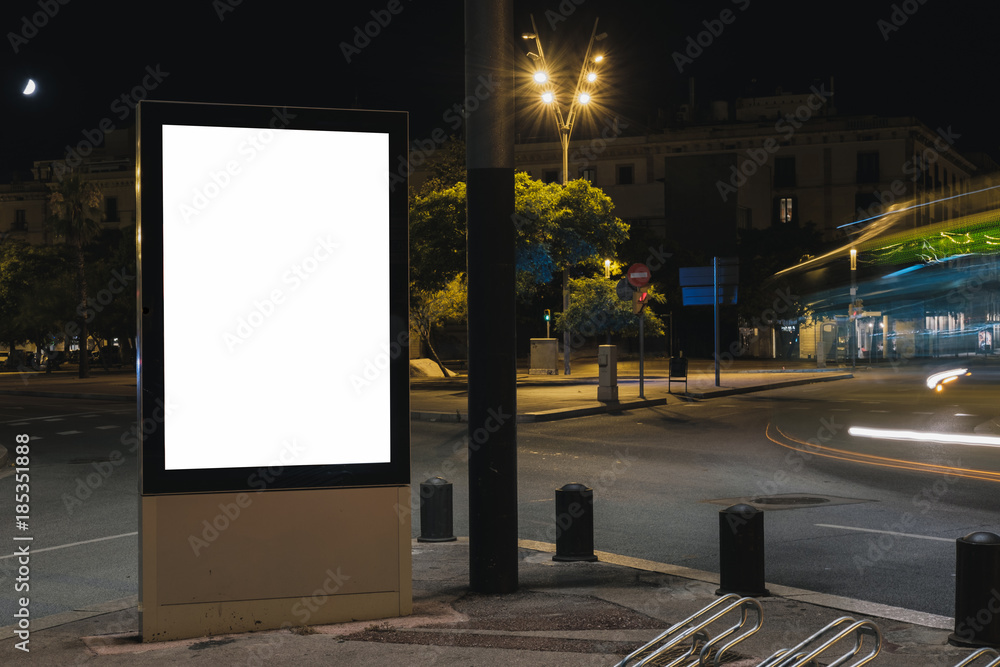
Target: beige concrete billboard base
237,562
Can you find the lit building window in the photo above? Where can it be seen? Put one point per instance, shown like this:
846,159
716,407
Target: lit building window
786,209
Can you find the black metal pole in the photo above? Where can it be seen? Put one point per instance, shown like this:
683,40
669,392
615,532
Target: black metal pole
641,353
489,80
715,306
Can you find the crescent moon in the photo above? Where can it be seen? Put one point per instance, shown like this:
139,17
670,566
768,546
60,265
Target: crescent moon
30,88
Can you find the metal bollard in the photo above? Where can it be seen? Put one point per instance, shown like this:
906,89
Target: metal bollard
574,523
436,516
741,551
977,591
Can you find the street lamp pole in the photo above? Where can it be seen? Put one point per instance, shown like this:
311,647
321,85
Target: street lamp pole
854,294
581,96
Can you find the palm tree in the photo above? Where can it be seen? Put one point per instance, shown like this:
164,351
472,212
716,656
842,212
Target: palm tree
76,214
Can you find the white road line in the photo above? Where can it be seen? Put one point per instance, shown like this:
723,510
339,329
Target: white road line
68,432
17,424
57,419
964,414
102,428
75,544
888,532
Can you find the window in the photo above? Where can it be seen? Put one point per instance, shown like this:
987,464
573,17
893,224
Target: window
589,174
784,172
868,168
625,174
785,210
550,176
20,220
744,217
111,209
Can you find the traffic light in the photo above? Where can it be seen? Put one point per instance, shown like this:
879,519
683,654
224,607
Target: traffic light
548,314
640,298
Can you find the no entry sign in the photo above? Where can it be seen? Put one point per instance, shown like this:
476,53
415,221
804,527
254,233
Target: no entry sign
638,275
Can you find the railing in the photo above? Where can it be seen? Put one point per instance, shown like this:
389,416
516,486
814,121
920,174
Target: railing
802,655
987,652
694,629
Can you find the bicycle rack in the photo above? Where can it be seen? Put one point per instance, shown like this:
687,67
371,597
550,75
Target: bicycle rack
694,628
801,655
988,652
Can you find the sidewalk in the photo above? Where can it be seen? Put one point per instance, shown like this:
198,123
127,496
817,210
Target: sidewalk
563,615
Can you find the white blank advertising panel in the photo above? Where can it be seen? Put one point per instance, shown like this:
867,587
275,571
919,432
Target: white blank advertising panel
275,284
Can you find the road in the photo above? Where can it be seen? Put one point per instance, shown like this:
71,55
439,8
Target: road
874,532
859,526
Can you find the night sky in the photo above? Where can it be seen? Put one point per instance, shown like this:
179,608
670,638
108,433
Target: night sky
938,64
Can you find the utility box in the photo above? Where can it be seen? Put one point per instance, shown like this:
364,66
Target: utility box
607,373
544,354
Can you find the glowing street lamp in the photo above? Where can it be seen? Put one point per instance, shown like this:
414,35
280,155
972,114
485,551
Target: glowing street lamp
581,97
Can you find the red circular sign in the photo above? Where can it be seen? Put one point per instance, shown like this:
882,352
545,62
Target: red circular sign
638,275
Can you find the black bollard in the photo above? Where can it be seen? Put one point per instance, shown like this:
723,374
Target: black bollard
741,551
574,523
977,591
436,516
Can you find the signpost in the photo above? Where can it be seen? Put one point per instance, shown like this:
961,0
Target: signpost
633,286
714,284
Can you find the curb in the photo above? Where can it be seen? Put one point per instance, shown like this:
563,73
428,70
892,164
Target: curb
543,415
59,394
775,385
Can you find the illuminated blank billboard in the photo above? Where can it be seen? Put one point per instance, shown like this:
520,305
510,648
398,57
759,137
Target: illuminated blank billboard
273,298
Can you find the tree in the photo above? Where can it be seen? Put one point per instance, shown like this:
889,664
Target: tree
76,214
557,226
596,308
431,308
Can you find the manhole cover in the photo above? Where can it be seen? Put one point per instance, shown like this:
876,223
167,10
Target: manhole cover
789,500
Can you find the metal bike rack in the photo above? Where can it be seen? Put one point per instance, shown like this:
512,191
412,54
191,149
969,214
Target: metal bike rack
693,628
988,652
801,655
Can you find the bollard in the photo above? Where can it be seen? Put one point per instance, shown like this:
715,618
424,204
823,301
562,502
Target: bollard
436,516
574,523
977,591
741,551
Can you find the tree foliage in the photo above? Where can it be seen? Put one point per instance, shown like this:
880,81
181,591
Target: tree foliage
595,309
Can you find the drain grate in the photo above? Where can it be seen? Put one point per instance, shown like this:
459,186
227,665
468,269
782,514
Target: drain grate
787,501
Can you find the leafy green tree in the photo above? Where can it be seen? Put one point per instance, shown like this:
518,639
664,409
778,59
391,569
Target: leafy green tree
434,307
446,167
595,308
76,215
112,270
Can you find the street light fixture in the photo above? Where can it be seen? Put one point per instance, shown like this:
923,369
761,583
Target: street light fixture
582,96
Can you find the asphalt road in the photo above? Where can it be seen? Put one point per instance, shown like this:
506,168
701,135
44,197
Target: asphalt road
873,530
879,529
